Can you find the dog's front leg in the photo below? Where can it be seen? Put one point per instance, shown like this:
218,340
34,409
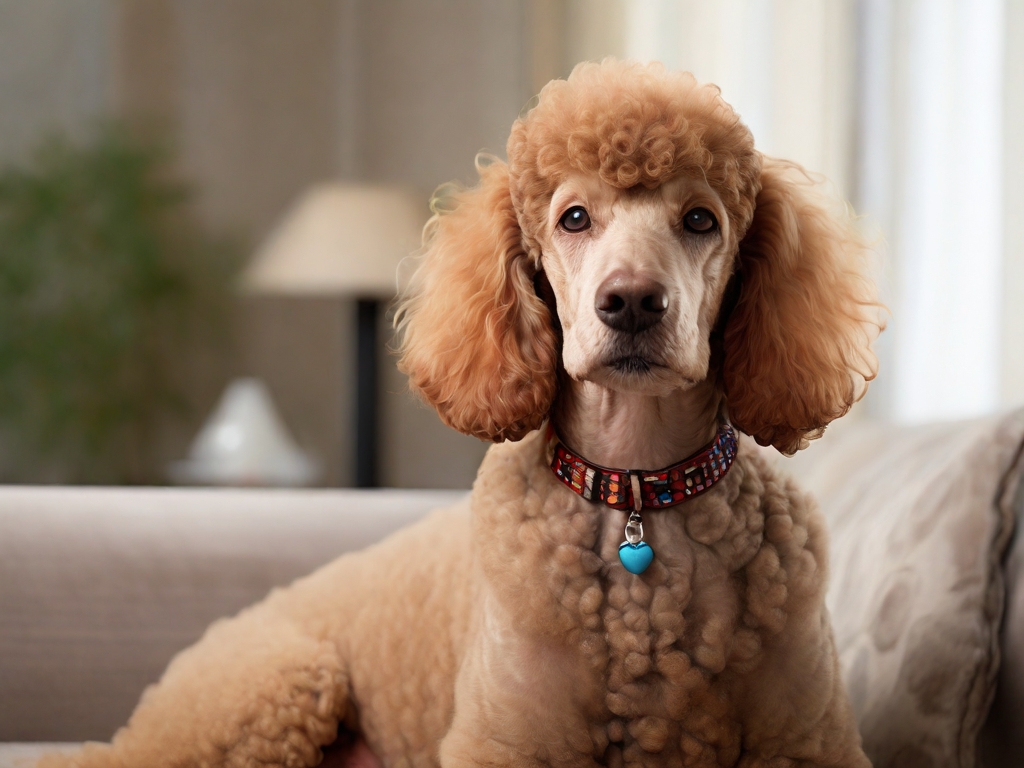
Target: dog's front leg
508,740
521,701
256,690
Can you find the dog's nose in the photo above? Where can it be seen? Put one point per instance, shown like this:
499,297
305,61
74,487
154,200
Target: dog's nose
630,303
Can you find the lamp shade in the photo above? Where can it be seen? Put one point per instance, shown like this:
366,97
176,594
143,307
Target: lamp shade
340,240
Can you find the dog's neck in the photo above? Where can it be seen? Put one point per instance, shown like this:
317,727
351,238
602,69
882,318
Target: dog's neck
631,431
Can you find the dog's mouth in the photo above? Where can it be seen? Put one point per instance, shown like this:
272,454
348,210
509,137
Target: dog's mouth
635,365
637,358
639,371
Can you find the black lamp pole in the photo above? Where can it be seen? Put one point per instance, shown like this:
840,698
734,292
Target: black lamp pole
367,311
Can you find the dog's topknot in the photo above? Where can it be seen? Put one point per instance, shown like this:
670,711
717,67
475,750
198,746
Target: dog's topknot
633,125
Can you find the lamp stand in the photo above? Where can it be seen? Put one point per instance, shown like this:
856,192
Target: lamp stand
366,416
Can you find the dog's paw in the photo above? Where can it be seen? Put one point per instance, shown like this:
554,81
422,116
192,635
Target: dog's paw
349,752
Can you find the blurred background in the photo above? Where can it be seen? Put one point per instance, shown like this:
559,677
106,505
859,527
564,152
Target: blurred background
169,168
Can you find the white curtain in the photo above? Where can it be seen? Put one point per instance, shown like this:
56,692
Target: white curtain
930,162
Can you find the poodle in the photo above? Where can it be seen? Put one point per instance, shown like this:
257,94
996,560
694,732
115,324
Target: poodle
636,287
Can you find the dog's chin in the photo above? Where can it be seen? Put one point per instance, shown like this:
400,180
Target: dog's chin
640,375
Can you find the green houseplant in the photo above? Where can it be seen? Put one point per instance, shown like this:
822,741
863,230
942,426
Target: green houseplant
104,282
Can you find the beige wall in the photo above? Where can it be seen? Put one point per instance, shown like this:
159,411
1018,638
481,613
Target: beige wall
56,68
440,81
246,90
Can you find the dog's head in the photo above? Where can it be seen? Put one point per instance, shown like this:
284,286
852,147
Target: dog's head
635,208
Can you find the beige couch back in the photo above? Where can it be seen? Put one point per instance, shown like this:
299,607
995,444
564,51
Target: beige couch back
100,587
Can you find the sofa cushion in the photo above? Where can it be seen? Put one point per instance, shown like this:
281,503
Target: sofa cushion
919,520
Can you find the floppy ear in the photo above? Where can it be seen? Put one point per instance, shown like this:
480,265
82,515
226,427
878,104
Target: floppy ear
797,346
476,341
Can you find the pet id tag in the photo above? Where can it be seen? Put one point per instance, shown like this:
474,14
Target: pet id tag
635,553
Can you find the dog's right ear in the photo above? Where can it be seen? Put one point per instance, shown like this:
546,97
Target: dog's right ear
476,341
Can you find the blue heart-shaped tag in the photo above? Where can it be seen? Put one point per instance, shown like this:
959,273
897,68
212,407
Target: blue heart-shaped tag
635,557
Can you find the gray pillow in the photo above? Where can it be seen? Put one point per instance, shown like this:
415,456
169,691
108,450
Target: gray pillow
919,520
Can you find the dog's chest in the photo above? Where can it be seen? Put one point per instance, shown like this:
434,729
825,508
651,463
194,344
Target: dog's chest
675,637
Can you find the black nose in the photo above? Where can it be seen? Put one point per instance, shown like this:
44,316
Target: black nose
630,303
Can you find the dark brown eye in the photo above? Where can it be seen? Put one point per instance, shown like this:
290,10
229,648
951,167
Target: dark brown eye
576,219
699,220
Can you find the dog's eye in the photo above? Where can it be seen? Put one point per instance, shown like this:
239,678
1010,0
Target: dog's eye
699,220
576,219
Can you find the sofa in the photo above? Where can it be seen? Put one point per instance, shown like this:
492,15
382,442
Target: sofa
99,587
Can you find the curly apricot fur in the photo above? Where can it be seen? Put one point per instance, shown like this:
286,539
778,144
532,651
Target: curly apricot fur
477,342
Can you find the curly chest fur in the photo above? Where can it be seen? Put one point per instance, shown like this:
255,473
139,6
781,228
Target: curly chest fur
667,651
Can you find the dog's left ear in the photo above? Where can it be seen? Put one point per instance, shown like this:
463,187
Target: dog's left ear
797,346
476,341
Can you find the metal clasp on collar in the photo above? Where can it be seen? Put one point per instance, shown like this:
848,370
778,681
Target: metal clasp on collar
634,528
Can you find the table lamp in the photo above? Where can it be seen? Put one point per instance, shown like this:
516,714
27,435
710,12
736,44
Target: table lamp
244,442
345,240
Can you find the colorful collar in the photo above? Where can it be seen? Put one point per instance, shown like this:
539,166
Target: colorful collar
624,488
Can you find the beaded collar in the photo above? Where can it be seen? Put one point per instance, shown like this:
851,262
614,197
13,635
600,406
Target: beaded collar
622,488
635,489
